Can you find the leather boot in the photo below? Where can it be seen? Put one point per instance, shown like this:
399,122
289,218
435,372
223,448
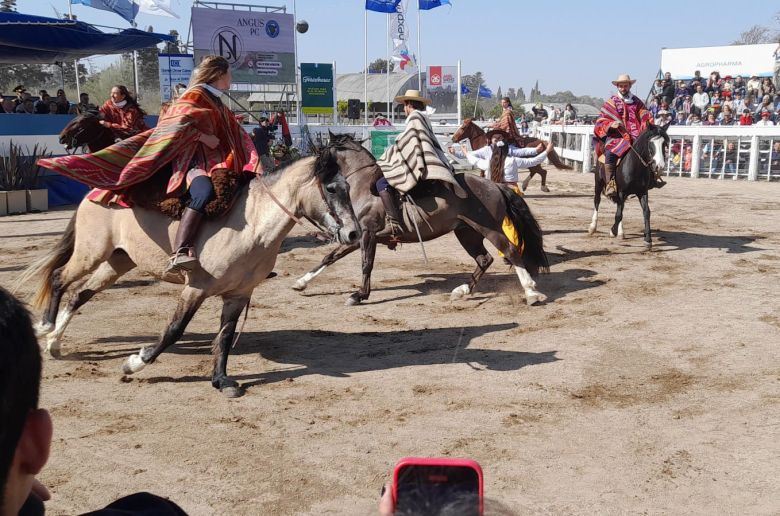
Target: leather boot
611,189
393,214
183,257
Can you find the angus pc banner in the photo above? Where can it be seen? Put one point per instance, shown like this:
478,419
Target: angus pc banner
317,88
259,46
174,69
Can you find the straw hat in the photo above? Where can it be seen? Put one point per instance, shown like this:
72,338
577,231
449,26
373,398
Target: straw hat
623,78
412,95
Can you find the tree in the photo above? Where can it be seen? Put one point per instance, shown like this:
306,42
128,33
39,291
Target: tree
32,77
380,66
511,94
499,95
473,82
467,107
755,35
520,95
70,74
173,48
8,6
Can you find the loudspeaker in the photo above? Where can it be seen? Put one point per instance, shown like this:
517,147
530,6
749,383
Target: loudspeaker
353,109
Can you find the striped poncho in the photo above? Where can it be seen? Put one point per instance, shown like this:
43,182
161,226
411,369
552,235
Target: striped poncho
175,140
633,115
416,155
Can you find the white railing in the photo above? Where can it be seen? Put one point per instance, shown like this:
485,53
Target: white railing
718,152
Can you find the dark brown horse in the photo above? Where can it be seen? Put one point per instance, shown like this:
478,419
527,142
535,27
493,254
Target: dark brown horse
474,133
437,211
86,131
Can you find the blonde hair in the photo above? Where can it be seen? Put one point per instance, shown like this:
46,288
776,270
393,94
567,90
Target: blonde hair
210,69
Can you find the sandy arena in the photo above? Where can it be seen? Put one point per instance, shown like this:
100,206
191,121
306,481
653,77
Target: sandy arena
648,383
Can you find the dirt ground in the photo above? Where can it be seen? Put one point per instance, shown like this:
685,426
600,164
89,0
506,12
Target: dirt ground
649,382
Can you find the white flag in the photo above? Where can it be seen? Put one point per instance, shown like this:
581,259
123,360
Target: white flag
399,35
156,7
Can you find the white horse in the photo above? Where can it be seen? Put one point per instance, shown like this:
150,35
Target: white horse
236,253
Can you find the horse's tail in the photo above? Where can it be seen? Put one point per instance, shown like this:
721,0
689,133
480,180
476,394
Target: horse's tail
553,157
44,268
534,257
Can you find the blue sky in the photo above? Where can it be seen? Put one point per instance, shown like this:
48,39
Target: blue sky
568,46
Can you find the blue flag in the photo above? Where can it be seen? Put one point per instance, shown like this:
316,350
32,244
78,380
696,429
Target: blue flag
426,5
484,91
127,9
464,89
382,6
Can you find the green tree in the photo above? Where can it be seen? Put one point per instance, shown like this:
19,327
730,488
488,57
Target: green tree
467,107
33,77
70,75
520,95
495,111
8,6
511,93
380,66
473,82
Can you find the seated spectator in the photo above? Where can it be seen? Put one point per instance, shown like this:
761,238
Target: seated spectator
668,88
749,104
739,86
697,79
695,119
686,106
730,158
524,129
381,121
63,105
658,88
569,114
715,102
727,100
724,112
654,105
711,118
701,99
42,104
727,119
8,106
766,119
83,106
26,107
665,105
766,105
681,119
753,86
739,102
746,118
664,117
727,84
52,107
714,82
20,92
767,88
679,94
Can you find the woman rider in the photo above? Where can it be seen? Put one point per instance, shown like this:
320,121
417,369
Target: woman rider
122,114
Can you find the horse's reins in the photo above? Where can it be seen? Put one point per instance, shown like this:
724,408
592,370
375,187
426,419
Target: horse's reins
622,129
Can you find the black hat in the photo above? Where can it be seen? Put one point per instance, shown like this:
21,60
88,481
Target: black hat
19,89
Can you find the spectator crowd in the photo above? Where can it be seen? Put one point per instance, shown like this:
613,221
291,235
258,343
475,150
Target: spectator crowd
23,101
715,100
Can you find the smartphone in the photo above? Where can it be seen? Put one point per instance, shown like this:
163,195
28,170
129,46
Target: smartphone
430,485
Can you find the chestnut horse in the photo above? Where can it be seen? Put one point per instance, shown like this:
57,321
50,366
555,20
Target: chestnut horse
478,139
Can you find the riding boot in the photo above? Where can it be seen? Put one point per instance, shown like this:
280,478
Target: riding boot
183,257
611,189
393,214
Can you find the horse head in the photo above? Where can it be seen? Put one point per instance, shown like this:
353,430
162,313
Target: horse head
656,141
85,131
461,132
337,214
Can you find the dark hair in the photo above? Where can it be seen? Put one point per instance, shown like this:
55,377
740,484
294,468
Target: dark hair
416,104
129,98
497,163
20,378
508,101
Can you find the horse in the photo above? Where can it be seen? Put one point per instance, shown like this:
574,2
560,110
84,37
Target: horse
437,211
86,131
474,133
237,252
634,176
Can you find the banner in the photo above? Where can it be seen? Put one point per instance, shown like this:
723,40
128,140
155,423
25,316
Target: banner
259,46
399,34
317,88
174,69
442,78
744,60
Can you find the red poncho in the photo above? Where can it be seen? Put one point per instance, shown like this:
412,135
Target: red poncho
634,116
125,121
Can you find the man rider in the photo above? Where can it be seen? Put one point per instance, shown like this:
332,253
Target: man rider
622,119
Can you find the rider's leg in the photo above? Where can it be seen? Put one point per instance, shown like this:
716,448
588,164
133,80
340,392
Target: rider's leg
610,162
201,192
392,210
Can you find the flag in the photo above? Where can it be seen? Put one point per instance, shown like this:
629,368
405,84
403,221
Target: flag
382,6
399,34
484,91
124,8
426,5
156,7
464,89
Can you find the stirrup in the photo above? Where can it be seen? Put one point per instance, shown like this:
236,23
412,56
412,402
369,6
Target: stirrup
610,190
181,260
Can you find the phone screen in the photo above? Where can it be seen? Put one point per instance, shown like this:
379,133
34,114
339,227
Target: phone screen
432,489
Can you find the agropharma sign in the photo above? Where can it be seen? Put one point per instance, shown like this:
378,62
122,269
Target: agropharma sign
260,47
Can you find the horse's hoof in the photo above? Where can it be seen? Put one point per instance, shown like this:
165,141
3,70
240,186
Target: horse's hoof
232,392
133,364
535,298
53,350
299,285
612,233
459,292
43,329
591,230
648,245
545,189
352,300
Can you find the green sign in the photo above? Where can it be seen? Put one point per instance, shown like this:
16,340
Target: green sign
317,88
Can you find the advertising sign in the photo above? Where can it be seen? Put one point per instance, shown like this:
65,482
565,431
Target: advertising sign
744,60
442,78
259,46
317,88
174,69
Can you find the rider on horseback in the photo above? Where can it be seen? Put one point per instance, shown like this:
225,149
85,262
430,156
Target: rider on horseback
502,160
623,118
415,155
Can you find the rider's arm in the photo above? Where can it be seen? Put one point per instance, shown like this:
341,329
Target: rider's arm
517,152
531,162
480,158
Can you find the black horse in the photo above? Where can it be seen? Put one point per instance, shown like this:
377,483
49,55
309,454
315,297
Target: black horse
634,176
436,212
86,131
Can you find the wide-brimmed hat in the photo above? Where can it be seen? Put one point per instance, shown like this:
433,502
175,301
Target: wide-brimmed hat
623,78
494,132
663,112
20,89
412,95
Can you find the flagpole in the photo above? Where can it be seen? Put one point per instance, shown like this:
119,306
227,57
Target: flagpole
419,52
335,98
460,114
365,66
387,46
476,100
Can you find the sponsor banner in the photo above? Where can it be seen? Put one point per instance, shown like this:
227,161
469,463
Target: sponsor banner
317,88
442,78
259,46
174,69
744,60
399,35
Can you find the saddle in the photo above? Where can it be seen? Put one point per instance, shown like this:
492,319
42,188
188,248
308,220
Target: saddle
151,195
